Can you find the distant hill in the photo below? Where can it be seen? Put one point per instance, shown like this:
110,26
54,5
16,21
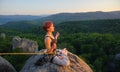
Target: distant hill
7,18
61,17
84,22
20,25
86,26
90,26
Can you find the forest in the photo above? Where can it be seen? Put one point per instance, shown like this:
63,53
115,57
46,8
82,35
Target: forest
95,41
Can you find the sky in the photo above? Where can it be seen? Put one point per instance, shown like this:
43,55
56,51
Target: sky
42,7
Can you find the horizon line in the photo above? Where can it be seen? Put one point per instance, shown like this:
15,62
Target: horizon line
60,12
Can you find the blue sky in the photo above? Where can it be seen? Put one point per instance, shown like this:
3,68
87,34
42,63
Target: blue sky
39,7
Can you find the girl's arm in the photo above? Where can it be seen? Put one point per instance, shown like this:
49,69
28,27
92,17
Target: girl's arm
57,35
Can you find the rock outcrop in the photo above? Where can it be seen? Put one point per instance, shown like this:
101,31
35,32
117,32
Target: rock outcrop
39,63
117,56
26,44
5,66
2,35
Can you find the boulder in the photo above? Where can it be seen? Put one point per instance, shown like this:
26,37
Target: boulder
42,63
5,66
117,56
2,35
26,44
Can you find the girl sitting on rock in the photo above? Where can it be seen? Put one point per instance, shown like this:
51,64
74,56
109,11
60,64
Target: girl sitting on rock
50,41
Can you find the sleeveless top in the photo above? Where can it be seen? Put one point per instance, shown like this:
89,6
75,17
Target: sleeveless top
53,40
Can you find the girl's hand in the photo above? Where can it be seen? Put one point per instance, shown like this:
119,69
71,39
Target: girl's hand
57,35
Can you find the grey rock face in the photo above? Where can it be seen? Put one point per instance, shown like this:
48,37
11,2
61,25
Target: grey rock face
2,35
26,44
117,56
5,66
113,66
42,63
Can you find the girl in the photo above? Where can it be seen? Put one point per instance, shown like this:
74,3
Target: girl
50,40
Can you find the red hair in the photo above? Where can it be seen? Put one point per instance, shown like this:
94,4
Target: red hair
47,25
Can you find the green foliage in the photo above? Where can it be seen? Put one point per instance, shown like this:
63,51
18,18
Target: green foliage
17,61
95,48
99,26
17,50
22,26
5,45
96,41
67,46
98,64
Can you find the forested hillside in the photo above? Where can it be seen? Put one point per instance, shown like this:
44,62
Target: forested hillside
22,26
100,26
95,41
87,26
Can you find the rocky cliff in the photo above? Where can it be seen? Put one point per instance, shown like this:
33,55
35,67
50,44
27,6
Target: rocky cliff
26,44
37,63
2,35
5,66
